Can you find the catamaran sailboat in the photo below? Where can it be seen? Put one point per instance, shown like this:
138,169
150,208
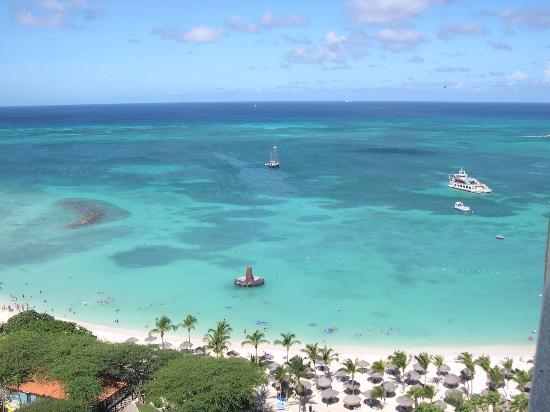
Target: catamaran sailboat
273,161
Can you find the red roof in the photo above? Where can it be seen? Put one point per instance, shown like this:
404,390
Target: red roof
55,389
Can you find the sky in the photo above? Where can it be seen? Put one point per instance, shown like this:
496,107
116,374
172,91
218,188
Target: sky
130,51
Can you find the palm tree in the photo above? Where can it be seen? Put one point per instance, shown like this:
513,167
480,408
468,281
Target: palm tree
378,392
467,360
297,369
378,366
163,325
313,353
520,403
455,399
484,362
401,360
522,377
328,356
507,369
495,377
287,341
351,367
281,375
415,392
438,360
424,361
218,339
493,398
189,323
429,392
254,340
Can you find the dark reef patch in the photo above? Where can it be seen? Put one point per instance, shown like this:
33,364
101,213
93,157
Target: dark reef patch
89,211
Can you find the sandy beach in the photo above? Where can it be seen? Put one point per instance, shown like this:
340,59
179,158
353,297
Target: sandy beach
522,356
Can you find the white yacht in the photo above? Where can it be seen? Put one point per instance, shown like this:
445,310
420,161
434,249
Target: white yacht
462,207
273,161
462,181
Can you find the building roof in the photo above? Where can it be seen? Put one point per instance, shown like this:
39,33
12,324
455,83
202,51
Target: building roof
55,389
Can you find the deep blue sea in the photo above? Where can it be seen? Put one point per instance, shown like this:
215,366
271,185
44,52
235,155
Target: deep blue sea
356,231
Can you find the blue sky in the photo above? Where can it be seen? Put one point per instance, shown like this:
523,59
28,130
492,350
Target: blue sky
101,51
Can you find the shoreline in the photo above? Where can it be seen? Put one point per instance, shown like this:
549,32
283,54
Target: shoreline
119,334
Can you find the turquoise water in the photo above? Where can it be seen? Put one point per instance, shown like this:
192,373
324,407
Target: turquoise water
355,231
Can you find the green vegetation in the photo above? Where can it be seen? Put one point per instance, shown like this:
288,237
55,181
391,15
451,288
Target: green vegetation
287,342
217,339
32,321
163,325
192,383
54,405
255,340
146,408
427,407
189,323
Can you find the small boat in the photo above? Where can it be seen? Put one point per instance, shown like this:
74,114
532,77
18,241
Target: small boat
273,161
462,181
462,207
499,237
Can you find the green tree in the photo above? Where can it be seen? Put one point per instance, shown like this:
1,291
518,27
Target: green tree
522,377
282,376
55,405
455,399
297,369
427,407
32,321
438,360
287,341
194,383
378,392
495,377
401,360
312,352
520,403
189,323
415,392
424,361
378,366
255,339
467,360
163,325
428,392
328,356
351,367
492,399
218,339
507,369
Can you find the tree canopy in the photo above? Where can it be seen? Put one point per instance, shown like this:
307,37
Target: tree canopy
54,405
192,383
32,321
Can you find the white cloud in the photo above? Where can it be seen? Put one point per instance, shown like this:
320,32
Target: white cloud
266,21
515,78
547,73
384,11
334,49
400,40
531,17
198,35
452,29
54,13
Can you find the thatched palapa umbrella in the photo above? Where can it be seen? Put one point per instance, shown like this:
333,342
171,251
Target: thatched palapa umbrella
363,364
233,354
186,345
413,376
150,339
352,401
451,381
131,340
443,369
167,345
329,396
441,404
323,382
405,402
389,387
419,368
351,386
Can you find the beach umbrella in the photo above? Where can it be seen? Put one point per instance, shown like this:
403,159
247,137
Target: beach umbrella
419,368
413,376
352,401
443,369
132,340
351,386
452,393
323,382
186,345
329,394
466,374
167,345
363,364
340,373
232,354
389,387
451,381
375,377
305,384
368,394
392,370
405,402
527,386
266,356
150,338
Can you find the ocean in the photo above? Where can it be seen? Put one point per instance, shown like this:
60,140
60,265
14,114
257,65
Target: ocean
355,234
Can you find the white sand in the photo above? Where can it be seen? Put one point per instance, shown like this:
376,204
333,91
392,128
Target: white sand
520,354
